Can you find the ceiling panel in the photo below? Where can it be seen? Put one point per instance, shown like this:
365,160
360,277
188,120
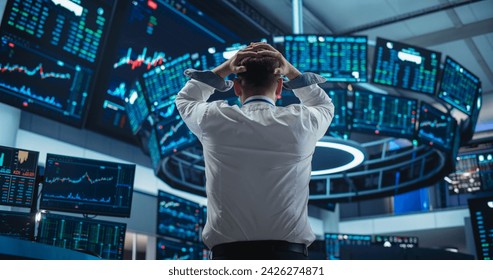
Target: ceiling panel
475,12
421,25
484,44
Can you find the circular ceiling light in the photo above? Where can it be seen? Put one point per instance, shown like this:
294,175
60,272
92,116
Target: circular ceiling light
334,155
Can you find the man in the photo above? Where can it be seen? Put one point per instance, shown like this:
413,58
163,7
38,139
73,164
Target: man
257,156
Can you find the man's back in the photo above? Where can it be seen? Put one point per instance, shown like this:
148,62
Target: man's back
259,161
257,156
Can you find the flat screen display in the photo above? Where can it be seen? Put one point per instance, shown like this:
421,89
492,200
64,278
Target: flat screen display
17,225
49,55
436,128
467,177
18,169
87,186
459,87
382,114
481,211
334,241
167,249
337,58
405,66
99,238
178,217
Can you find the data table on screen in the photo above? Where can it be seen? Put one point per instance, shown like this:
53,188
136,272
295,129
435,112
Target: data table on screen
18,169
382,114
405,66
458,86
101,238
336,58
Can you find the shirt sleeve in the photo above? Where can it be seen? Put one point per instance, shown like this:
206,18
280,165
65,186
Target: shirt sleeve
191,103
315,99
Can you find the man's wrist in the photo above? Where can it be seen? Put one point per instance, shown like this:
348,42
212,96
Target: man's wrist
293,74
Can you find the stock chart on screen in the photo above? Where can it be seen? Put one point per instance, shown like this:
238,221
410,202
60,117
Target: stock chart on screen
405,66
338,59
87,186
18,169
49,55
458,86
436,128
100,238
150,35
178,217
382,114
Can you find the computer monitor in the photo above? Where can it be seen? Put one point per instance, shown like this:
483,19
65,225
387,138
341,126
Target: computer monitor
334,241
167,249
481,211
436,128
103,239
459,87
178,217
337,58
382,114
87,186
172,133
17,224
467,176
18,169
405,242
405,66
50,53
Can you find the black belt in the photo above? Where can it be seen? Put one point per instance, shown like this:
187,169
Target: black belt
258,247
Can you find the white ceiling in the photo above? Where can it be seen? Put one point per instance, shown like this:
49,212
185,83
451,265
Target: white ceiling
462,30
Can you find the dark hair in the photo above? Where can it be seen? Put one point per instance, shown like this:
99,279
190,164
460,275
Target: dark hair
259,73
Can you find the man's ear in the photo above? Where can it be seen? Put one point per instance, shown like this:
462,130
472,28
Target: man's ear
279,88
237,87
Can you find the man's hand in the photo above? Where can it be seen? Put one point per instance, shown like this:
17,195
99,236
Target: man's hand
232,65
285,68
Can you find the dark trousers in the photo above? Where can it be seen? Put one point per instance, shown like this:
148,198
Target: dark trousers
260,250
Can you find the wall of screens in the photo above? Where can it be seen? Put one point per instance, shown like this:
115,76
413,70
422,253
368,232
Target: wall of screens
50,53
18,169
149,35
338,59
87,186
100,238
405,66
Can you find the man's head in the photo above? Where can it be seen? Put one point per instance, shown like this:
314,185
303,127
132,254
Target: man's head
259,77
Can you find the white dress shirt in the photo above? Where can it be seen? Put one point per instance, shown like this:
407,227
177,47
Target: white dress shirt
257,158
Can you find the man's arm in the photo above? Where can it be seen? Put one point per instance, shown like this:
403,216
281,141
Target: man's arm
191,101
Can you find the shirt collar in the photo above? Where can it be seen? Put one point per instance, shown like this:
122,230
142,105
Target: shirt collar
259,98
